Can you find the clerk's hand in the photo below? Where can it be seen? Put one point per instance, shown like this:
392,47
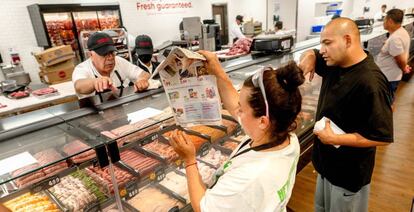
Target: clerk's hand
103,83
212,63
307,63
326,136
184,147
141,85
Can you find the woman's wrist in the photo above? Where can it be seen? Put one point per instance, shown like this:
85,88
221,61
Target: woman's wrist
189,161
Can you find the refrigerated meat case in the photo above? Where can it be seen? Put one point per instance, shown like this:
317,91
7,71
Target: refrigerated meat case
71,147
61,24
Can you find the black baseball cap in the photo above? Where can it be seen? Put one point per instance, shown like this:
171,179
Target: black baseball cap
143,45
101,43
240,18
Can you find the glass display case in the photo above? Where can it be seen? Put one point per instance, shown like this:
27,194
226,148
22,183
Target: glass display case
117,154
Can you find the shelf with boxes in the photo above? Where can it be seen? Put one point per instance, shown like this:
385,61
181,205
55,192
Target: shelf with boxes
56,64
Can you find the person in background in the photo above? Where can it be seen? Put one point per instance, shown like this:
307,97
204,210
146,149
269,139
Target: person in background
355,96
278,27
236,30
393,57
144,50
380,15
104,70
260,174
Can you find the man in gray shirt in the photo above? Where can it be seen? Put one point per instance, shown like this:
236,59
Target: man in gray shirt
393,57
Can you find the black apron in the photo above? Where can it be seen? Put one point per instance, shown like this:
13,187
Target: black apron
145,68
121,87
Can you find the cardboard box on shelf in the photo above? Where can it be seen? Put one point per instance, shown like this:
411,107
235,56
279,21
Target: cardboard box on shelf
58,73
55,55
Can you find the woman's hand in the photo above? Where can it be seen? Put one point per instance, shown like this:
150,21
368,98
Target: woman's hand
212,63
184,147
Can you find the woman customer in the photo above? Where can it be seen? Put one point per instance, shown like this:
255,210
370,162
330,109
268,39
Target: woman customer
260,173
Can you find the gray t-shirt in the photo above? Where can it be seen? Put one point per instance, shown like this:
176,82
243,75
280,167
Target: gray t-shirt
398,43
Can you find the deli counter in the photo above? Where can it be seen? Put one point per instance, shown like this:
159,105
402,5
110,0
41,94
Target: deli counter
115,155
111,154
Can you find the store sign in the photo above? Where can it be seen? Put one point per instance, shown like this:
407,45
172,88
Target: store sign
160,7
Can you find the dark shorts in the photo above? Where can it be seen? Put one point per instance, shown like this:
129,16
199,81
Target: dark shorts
393,88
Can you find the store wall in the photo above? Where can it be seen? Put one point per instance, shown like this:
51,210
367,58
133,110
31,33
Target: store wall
375,6
306,15
286,12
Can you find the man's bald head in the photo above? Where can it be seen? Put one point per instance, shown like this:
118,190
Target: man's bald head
341,42
344,26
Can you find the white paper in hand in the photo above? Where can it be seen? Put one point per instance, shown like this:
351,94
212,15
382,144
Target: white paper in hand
153,84
320,125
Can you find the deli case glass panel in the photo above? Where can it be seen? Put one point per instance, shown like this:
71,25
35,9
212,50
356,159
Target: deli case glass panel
144,172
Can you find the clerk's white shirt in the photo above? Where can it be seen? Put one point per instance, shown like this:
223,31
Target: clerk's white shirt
255,181
235,32
127,71
148,67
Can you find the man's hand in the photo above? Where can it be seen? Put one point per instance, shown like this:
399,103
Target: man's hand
407,69
102,83
141,85
327,136
307,63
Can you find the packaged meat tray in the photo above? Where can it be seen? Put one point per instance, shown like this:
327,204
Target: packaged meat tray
90,184
45,92
103,177
76,146
44,158
230,144
151,199
141,163
162,149
18,95
176,183
31,202
132,132
49,156
215,157
214,133
206,172
73,193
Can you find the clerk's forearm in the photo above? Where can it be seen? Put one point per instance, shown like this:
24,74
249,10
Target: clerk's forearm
356,140
195,184
85,86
